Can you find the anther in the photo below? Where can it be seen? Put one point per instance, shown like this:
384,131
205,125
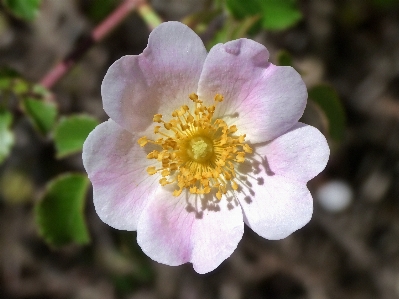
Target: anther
142,141
234,185
151,170
194,97
247,149
218,98
157,118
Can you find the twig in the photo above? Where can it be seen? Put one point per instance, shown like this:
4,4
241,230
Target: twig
98,33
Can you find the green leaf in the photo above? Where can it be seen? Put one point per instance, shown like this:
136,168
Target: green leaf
59,214
329,102
280,14
6,135
71,132
24,9
284,58
5,84
98,10
200,21
241,9
42,114
7,76
21,86
9,72
233,29
275,14
35,100
12,82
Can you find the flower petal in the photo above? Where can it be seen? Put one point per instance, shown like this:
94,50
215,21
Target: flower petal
274,206
116,166
300,154
160,79
216,235
171,231
262,99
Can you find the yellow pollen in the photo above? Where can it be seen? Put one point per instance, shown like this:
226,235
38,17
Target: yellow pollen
200,149
197,152
142,141
151,170
157,118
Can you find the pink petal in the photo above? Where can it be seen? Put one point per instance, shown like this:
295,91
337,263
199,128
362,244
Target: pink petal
116,166
300,154
216,235
171,231
274,206
158,80
262,99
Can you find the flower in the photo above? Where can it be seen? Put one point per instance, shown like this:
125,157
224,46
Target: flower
198,143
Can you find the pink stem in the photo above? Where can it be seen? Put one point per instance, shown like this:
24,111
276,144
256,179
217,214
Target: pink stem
98,33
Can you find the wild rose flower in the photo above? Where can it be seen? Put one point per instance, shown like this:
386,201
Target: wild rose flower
198,143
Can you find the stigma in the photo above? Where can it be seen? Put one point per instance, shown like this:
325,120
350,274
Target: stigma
200,149
197,152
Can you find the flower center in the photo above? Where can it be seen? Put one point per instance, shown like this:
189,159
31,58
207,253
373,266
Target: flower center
197,152
200,149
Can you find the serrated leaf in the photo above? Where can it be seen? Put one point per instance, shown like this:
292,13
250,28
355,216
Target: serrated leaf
59,214
329,102
275,14
6,135
25,9
42,114
71,132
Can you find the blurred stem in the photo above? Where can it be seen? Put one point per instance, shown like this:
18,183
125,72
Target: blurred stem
149,16
98,34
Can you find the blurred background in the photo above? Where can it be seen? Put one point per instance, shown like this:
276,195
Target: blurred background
52,243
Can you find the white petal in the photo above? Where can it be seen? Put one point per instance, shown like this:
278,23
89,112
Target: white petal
174,231
157,81
116,166
300,154
262,99
274,206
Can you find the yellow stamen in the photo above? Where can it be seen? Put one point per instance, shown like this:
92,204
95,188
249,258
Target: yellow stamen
157,118
218,98
234,185
151,170
142,141
197,152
